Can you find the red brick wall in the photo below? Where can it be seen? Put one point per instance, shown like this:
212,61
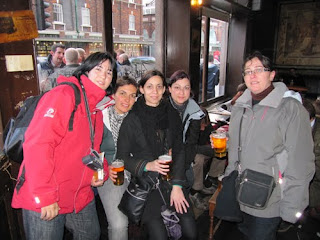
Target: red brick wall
121,11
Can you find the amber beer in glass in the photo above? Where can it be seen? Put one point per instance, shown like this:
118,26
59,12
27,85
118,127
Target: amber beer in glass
219,139
118,166
168,160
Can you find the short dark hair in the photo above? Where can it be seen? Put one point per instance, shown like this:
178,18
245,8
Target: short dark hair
309,107
57,45
177,75
125,80
92,61
151,74
266,62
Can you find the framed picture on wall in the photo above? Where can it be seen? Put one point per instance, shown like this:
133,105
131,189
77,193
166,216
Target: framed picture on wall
298,37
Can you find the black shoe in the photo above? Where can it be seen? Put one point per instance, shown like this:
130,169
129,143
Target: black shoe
211,181
284,226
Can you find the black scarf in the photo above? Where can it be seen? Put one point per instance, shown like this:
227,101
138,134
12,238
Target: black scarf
154,122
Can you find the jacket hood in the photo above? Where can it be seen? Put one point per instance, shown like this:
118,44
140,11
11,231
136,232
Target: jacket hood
94,93
293,94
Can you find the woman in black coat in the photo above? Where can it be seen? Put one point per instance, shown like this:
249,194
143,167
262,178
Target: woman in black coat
153,128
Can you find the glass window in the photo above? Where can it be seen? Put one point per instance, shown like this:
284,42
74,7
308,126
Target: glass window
85,16
132,22
57,12
213,55
145,34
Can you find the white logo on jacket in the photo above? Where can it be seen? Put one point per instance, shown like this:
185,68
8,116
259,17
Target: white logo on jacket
50,113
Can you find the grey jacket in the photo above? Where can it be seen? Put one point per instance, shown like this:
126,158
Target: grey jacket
275,138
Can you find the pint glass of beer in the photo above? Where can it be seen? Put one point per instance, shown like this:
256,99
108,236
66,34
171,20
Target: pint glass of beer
168,160
219,139
118,166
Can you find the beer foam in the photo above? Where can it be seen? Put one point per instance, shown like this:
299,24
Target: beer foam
165,157
117,164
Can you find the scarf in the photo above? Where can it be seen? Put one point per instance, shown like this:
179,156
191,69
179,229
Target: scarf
180,108
263,94
115,123
154,121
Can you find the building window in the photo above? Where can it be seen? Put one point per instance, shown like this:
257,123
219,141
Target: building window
145,34
57,12
85,16
131,1
132,22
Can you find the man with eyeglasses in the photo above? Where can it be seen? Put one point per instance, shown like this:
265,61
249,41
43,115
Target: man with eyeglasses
275,139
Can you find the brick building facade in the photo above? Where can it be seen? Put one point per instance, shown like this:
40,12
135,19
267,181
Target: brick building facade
80,24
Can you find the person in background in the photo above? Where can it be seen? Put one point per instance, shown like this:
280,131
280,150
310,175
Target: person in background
53,62
124,97
206,181
213,77
314,190
275,139
82,55
153,128
54,185
124,67
71,58
118,53
190,115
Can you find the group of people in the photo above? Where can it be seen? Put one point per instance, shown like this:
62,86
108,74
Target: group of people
138,123
60,61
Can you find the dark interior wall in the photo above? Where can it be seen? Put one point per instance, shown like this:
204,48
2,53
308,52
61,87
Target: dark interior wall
177,36
263,28
236,52
15,86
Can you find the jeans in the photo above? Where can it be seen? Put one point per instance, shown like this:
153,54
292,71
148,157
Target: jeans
257,228
110,196
83,225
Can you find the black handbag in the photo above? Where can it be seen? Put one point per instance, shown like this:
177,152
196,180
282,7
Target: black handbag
134,198
227,206
254,189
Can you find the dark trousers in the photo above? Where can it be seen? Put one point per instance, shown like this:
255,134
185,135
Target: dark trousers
153,222
257,228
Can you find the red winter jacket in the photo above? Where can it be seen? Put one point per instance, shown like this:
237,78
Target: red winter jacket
54,171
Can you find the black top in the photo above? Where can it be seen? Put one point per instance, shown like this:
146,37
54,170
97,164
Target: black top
148,132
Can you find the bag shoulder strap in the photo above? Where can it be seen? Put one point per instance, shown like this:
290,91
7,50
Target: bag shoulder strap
239,141
77,101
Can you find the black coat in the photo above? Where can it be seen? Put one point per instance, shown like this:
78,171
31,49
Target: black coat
148,132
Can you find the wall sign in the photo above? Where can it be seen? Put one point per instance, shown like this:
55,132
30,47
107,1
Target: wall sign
17,26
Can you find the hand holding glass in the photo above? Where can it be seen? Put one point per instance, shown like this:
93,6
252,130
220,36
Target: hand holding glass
168,161
118,166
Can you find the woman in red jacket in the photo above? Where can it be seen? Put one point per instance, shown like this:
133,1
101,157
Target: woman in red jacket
54,185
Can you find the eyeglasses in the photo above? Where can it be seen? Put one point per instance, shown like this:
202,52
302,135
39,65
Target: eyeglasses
255,71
